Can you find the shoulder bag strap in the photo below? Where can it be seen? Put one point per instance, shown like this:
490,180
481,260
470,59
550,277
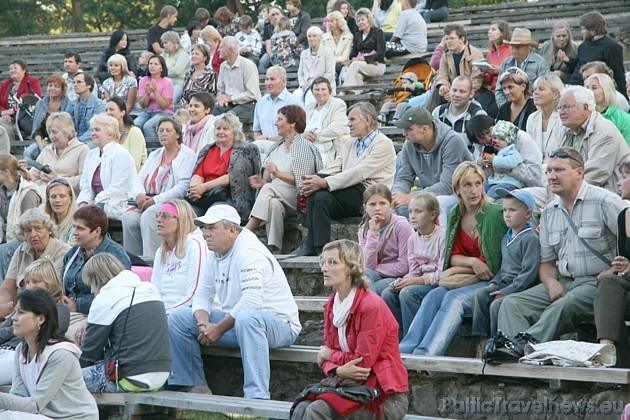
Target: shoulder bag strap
590,248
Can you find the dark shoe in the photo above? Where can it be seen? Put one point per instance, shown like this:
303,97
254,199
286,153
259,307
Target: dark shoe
522,339
304,251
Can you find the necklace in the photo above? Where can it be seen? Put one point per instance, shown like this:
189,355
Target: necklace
122,133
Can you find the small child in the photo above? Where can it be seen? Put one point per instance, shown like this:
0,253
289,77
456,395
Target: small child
503,136
143,62
182,116
410,88
383,237
520,252
425,255
249,41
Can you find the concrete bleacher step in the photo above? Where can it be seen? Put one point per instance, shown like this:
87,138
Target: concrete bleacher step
457,365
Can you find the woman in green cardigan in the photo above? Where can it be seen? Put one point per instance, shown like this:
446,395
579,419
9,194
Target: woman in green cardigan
473,253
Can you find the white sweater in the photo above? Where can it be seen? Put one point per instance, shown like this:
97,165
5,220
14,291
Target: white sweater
247,277
178,278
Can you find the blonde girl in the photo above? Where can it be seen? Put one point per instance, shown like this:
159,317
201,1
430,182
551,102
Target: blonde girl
425,256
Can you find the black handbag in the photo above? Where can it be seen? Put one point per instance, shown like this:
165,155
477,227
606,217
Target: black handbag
215,195
501,349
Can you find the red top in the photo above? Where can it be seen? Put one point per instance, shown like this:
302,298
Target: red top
23,89
215,164
496,57
372,333
467,246
216,64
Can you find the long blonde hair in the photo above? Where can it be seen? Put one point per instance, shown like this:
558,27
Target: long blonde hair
185,226
61,224
10,163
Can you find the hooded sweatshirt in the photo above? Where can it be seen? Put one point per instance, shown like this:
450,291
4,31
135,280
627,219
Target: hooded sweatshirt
434,168
142,345
59,392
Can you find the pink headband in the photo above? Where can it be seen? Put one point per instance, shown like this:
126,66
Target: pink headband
170,208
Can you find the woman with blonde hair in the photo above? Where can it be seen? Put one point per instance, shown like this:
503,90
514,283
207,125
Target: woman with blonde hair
284,45
121,84
560,51
223,169
116,168
212,38
544,125
179,258
603,89
338,38
64,157
139,348
472,256
177,62
60,205
360,342
367,57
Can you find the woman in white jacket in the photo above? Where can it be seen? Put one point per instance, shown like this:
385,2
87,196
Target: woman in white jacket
179,258
109,169
165,176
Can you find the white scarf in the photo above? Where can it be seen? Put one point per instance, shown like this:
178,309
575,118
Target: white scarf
341,311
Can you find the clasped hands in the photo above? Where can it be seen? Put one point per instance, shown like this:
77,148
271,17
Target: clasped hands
312,184
350,370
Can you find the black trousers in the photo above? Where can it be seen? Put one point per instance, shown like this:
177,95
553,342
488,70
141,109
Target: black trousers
612,308
324,206
244,112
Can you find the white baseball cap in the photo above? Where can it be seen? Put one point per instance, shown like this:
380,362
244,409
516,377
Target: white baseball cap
217,213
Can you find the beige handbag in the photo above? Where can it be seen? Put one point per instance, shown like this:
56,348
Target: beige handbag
458,280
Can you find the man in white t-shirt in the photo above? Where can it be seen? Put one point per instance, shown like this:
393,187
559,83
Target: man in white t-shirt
257,313
410,36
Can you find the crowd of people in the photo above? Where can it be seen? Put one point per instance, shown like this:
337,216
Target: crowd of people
505,203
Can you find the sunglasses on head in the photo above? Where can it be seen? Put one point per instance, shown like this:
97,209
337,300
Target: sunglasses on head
564,155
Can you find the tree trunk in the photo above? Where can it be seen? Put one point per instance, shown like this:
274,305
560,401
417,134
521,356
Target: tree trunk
78,25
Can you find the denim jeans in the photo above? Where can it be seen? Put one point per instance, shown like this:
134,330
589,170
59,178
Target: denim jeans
7,250
485,312
376,282
147,122
255,332
405,304
32,151
436,323
96,379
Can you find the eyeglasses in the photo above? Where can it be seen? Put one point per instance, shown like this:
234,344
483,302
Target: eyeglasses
330,262
164,215
564,108
564,155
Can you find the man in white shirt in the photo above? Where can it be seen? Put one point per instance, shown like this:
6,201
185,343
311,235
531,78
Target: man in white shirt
410,36
257,313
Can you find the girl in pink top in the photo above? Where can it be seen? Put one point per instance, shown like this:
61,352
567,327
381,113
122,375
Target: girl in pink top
155,96
383,237
425,254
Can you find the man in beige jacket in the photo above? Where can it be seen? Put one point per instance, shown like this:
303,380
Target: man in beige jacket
337,191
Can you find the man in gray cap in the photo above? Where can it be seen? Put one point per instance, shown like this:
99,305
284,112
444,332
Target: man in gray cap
257,313
430,155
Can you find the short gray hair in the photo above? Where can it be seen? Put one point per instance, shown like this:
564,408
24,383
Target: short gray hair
231,43
34,215
282,73
315,30
582,96
366,110
63,121
109,123
230,119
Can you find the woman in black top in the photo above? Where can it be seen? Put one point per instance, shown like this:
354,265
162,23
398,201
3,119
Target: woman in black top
520,105
118,44
347,11
612,301
368,51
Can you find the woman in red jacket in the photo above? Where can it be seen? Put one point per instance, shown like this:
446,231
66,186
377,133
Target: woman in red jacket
11,91
361,342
